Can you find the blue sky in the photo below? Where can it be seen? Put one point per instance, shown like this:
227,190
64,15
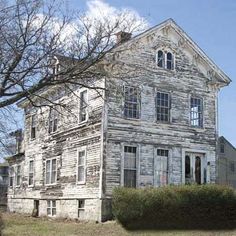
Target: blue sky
211,24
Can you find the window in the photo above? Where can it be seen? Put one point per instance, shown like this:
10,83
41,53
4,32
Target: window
163,107
131,102
18,175
187,169
83,116
11,176
169,61
81,204
31,172
196,117
53,120
51,207
165,60
130,170
162,167
232,167
81,166
160,59
33,127
222,148
51,171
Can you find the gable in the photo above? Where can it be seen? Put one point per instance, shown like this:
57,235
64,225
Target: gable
183,43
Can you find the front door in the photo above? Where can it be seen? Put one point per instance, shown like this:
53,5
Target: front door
195,169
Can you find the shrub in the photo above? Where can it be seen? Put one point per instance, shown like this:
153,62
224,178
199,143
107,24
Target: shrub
1,225
189,206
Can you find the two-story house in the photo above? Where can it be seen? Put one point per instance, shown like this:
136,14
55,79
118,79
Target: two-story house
154,125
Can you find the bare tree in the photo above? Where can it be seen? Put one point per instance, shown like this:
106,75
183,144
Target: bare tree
34,34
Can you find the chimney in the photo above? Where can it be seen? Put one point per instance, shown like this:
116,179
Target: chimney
122,37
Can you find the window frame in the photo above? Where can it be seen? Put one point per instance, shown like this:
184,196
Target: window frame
53,116
84,107
84,149
51,207
50,173
169,107
81,209
201,126
18,175
165,60
33,116
31,172
11,176
123,164
138,103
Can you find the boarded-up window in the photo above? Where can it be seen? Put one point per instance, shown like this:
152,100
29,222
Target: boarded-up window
130,169
131,102
33,127
196,112
31,172
51,207
51,171
11,176
163,107
53,120
81,166
18,175
81,203
83,106
162,167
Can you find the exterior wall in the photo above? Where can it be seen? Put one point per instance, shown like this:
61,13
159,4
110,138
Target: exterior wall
63,145
226,163
178,136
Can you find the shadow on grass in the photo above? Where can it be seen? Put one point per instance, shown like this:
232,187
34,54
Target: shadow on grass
187,225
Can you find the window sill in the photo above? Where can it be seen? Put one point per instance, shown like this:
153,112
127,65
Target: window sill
81,182
127,118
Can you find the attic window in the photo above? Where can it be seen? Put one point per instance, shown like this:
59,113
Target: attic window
165,60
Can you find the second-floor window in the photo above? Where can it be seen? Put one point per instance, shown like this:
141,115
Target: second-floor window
196,112
81,172
130,166
163,107
31,172
83,113
33,127
53,120
51,171
131,102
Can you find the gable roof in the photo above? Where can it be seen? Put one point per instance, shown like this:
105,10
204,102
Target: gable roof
171,23
222,138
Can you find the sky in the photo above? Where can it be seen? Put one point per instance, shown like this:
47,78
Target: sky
210,23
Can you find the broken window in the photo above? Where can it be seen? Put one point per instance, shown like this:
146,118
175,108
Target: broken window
81,203
81,166
33,127
11,176
163,107
160,59
18,175
53,120
162,167
31,172
131,102
130,169
169,61
83,116
51,171
196,112
51,207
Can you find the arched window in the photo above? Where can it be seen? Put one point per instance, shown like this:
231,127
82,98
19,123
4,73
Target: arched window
169,61
160,59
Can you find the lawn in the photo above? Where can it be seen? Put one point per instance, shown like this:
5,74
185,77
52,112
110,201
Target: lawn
18,225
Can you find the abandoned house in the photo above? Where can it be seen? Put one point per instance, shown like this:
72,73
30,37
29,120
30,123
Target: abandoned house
226,162
156,127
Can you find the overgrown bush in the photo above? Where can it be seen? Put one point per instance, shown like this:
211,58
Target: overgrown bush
1,225
179,207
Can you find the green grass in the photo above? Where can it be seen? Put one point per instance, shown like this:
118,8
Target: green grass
18,225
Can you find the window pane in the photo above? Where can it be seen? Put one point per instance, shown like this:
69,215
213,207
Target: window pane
130,178
53,203
81,173
163,107
196,112
53,211
81,158
131,105
160,59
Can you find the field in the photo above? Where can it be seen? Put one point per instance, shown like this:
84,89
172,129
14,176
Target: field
18,225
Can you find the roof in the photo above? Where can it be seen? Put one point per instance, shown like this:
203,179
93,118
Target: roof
225,140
